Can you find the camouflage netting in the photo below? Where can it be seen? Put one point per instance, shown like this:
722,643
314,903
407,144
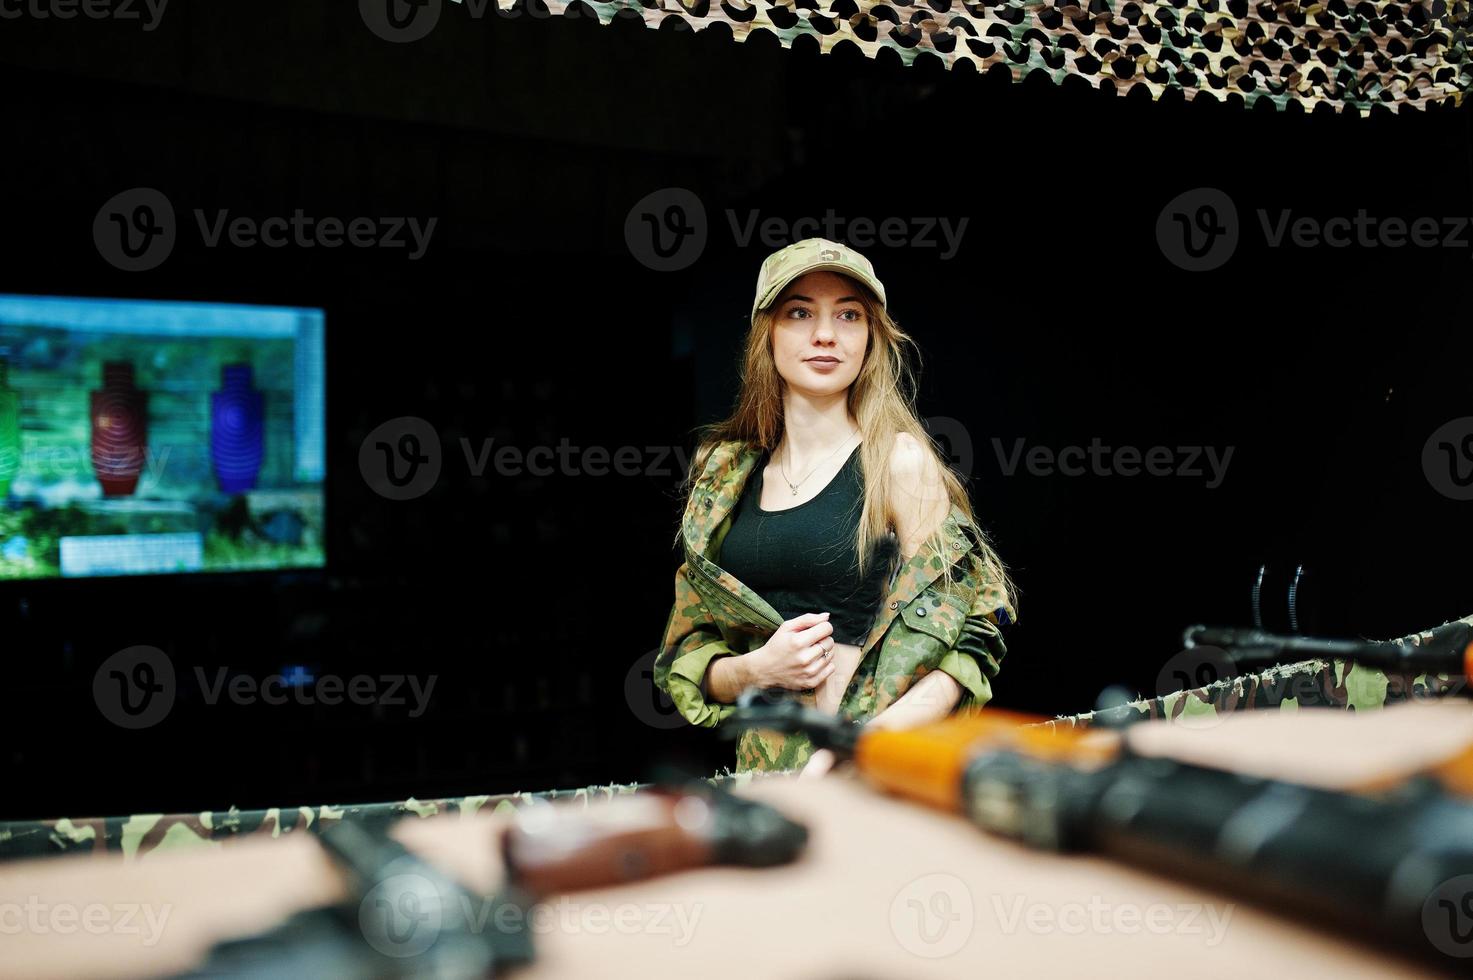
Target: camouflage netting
1311,684
1350,57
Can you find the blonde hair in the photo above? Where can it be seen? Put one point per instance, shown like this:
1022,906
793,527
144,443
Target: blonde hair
881,400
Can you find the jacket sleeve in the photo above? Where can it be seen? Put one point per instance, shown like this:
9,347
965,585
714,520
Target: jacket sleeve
976,658
691,642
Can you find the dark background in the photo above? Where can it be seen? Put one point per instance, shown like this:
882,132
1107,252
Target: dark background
534,600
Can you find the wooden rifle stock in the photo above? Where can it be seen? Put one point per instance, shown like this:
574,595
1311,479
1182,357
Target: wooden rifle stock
552,849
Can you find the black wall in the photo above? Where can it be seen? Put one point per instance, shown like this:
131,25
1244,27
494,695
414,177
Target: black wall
531,599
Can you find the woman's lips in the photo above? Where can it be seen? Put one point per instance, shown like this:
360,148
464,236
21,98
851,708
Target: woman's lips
821,364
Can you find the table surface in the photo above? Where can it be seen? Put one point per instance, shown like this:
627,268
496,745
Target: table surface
886,888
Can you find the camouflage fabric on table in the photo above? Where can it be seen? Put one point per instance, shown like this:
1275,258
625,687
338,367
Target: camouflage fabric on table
146,833
1311,683
1349,57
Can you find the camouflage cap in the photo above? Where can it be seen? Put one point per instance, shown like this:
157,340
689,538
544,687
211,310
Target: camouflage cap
812,255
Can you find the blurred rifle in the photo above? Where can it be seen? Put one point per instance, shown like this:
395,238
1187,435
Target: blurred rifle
405,918
1447,649
1395,863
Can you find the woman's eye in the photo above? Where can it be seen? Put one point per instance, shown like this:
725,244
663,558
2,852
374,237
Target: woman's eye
852,314
798,313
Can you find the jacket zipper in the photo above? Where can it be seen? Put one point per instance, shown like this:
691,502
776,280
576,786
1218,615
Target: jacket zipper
736,598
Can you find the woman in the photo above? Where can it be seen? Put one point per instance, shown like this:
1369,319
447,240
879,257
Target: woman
829,549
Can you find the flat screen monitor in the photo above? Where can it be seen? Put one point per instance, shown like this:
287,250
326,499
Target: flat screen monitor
159,437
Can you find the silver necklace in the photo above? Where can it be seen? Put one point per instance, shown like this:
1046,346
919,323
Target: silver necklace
782,468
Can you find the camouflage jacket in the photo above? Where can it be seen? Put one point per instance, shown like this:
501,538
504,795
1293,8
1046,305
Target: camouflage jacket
939,614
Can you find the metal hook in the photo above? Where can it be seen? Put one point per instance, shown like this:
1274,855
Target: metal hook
1294,600
1258,598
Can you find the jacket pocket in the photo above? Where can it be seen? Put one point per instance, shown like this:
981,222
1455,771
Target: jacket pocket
922,635
937,615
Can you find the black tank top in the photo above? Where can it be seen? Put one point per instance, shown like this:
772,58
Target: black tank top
802,560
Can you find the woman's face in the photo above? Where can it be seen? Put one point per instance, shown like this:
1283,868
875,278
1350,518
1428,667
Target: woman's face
820,333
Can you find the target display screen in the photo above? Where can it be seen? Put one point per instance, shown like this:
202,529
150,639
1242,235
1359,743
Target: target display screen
150,437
